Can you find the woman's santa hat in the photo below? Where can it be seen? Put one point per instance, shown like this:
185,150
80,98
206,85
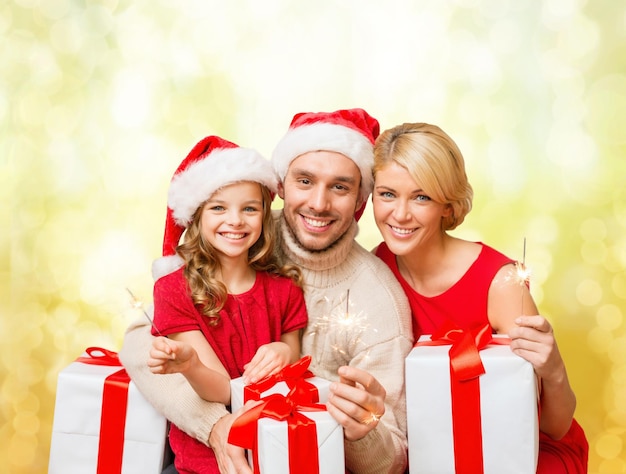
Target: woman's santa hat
351,132
212,164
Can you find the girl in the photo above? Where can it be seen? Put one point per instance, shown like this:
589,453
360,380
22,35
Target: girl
420,192
224,304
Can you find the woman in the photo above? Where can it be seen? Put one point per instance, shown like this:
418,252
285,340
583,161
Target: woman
421,191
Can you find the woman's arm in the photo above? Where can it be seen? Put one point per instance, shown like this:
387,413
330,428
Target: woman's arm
532,338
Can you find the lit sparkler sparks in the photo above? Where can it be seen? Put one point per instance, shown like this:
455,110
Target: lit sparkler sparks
344,324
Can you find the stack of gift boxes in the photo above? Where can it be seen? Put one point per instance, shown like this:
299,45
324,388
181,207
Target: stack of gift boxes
471,408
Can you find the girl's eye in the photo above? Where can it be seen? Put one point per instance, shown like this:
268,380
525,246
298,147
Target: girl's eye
250,209
217,208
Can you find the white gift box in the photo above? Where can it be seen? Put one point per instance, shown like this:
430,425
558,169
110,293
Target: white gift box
508,410
237,390
77,421
273,446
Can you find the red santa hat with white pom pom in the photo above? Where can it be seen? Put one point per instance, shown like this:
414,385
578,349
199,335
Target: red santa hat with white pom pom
212,164
351,132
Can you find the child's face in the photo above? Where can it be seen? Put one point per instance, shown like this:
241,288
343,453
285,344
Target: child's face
232,220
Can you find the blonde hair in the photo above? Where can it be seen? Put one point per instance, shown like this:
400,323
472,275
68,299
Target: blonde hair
433,160
201,263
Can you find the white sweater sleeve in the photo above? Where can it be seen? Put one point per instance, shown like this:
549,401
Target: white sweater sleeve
171,395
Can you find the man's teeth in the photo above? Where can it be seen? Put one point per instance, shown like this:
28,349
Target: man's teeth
315,223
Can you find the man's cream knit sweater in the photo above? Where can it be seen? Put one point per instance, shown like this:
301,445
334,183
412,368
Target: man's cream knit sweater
377,340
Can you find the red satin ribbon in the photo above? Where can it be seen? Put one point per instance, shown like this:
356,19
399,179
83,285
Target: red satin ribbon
465,368
301,430
113,415
294,375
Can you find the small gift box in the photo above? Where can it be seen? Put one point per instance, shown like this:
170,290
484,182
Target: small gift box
471,405
295,376
102,424
289,431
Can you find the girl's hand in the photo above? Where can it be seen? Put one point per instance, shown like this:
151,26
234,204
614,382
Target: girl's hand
168,356
533,340
269,359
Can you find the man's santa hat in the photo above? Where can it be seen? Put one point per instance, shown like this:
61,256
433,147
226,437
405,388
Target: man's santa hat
351,132
212,164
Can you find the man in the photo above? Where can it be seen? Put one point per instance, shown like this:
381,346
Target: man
359,329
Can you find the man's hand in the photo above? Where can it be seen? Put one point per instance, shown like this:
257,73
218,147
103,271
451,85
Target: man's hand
230,459
357,402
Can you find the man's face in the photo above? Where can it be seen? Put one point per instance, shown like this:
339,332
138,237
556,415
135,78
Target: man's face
321,192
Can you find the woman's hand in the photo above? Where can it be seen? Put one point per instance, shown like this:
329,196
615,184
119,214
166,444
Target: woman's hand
533,340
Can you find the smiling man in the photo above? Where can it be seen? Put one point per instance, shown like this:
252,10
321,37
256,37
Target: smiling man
359,330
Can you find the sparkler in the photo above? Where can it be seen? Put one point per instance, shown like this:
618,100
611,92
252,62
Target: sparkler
343,324
139,305
523,274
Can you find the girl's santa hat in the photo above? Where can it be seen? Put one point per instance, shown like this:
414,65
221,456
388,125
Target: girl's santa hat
212,164
351,132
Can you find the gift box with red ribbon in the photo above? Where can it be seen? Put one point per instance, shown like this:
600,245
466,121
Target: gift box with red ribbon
289,432
102,424
471,405
294,376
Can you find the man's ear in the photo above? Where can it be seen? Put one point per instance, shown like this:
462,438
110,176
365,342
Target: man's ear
281,190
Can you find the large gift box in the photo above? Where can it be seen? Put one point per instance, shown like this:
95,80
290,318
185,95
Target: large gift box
102,424
471,405
288,431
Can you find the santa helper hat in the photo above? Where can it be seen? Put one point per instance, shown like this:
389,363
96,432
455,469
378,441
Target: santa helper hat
212,164
351,132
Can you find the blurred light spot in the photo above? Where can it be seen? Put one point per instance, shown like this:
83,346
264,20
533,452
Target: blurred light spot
542,229
617,351
589,292
593,229
608,446
26,423
33,107
508,174
22,448
593,252
612,466
131,99
572,148
66,36
618,285
598,340
609,317
606,102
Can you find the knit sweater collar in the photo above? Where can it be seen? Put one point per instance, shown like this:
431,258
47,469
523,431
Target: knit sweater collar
315,260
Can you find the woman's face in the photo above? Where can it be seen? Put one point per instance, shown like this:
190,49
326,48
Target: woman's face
405,215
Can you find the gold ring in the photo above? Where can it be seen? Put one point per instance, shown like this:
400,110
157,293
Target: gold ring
373,417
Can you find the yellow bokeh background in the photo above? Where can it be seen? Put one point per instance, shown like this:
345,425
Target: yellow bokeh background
101,100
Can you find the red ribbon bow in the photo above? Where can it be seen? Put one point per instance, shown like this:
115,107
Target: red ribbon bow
465,369
113,415
294,375
301,430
